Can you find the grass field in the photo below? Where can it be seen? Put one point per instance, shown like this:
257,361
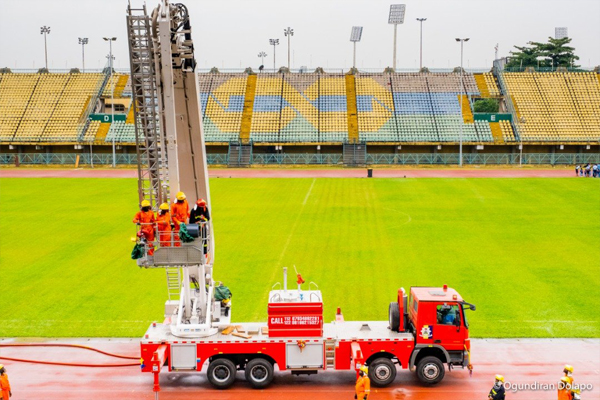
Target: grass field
525,251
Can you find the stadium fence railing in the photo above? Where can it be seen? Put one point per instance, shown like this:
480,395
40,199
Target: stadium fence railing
320,159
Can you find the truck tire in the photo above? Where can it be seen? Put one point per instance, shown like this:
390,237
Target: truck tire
259,372
394,316
221,373
382,372
430,370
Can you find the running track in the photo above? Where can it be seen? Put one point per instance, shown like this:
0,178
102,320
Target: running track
302,173
521,361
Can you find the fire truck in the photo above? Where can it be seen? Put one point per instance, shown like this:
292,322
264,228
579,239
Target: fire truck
427,330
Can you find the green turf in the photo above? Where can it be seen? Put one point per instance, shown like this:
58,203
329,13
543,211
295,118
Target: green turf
525,251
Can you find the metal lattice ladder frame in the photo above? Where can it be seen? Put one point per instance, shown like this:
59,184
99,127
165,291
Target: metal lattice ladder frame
173,282
152,183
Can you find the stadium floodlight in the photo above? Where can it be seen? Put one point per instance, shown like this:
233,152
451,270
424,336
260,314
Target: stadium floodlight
396,17
112,96
355,36
421,20
83,42
561,32
460,156
356,33
289,32
274,42
45,30
397,12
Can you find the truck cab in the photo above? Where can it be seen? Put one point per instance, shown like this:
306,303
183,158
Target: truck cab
437,318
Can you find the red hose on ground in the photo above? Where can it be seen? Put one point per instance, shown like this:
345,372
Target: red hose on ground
78,346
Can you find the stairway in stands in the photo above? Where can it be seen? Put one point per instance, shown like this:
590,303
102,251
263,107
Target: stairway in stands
466,109
482,85
352,109
239,155
497,133
102,131
355,154
248,108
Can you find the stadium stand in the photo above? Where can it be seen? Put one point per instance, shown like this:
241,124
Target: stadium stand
556,106
45,107
486,83
222,98
417,108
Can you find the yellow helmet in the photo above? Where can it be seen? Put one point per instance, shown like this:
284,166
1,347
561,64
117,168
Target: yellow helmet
145,203
565,379
1,366
569,368
499,378
180,196
364,369
164,206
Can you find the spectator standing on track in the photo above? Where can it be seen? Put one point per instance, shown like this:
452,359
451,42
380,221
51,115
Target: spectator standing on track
5,392
594,170
163,222
145,218
588,170
363,384
497,392
179,214
577,168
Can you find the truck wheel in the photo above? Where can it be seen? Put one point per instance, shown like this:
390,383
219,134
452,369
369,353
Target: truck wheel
394,316
259,372
430,370
221,373
382,372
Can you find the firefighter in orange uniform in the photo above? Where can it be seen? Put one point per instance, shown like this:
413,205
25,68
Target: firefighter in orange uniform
363,384
179,214
163,221
568,371
564,389
5,392
145,218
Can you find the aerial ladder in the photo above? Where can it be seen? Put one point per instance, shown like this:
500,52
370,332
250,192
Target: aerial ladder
172,158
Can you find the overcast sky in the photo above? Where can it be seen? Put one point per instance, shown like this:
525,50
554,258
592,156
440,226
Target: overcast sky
231,33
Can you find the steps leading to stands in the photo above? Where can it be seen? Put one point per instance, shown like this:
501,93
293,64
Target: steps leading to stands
120,85
355,154
130,115
248,108
497,133
352,109
239,155
482,85
102,131
466,109
516,107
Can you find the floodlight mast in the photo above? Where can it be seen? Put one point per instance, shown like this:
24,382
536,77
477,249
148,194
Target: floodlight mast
45,30
289,32
460,148
83,42
421,20
396,17
355,36
274,42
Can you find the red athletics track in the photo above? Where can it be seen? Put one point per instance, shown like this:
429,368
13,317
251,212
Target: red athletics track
521,361
303,173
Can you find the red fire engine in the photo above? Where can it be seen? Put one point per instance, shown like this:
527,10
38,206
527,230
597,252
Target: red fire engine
423,332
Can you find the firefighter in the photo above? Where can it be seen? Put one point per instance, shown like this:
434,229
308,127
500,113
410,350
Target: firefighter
198,215
5,392
564,389
497,392
163,222
145,218
179,214
568,371
363,384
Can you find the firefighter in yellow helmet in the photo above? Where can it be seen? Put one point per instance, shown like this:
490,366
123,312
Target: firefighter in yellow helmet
568,371
363,384
145,219
498,391
180,210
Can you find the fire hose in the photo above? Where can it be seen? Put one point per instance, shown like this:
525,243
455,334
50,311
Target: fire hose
78,346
